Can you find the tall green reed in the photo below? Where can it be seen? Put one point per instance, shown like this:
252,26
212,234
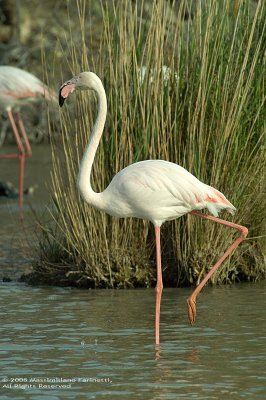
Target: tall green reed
207,114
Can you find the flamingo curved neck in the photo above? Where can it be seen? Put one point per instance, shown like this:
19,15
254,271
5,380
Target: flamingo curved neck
84,176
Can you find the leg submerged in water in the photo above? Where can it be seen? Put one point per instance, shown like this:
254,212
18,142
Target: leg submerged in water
159,285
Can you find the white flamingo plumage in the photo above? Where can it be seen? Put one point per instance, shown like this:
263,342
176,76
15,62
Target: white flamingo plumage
154,190
19,87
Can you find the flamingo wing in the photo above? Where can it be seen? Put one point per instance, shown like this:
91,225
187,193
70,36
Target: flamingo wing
159,190
17,85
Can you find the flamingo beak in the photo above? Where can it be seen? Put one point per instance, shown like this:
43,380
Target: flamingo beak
65,90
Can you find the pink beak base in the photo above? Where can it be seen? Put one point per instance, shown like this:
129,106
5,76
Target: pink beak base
64,91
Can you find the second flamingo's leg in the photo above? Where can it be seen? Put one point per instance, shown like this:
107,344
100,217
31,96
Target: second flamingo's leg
15,130
24,135
159,285
191,301
21,179
21,156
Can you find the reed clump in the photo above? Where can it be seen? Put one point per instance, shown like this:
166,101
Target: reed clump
185,85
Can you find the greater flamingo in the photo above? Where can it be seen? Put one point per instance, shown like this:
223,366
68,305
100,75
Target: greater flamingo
154,190
18,87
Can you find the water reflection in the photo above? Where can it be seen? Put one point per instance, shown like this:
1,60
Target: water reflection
101,343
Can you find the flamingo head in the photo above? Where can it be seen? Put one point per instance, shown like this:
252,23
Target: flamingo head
82,81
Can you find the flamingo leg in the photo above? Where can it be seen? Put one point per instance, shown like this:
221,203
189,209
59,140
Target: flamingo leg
21,156
159,285
16,133
191,301
23,134
21,179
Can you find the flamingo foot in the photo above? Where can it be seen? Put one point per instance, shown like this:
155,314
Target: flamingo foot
191,304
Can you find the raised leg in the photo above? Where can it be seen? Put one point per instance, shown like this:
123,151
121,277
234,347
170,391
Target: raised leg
191,301
159,285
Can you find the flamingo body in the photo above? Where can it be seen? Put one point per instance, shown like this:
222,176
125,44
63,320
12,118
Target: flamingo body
18,87
154,190
159,191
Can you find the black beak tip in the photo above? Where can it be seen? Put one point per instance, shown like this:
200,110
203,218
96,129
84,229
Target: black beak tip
61,99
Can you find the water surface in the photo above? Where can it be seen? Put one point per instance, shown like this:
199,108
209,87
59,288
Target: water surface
100,344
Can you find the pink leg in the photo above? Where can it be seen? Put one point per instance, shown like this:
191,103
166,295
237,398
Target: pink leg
191,301
15,130
159,285
21,157
21,179
24,135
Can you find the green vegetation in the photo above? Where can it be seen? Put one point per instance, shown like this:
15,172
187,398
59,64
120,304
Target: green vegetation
207,115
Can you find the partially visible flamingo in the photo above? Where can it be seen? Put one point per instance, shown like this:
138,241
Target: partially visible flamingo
154,190
18,87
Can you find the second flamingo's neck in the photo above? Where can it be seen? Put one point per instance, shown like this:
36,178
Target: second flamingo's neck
84,176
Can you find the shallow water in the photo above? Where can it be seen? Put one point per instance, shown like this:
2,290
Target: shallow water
100,343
